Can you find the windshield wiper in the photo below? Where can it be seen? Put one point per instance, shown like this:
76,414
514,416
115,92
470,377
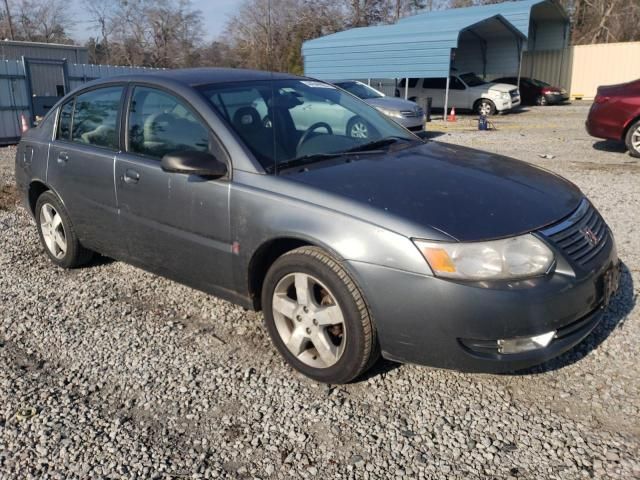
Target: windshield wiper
383,142
307,159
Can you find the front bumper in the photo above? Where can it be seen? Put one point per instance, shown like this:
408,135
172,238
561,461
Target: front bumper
556,99
426,320
503,105
415,124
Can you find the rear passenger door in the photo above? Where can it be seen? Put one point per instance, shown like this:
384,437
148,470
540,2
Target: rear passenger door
435,88
176,225
81,162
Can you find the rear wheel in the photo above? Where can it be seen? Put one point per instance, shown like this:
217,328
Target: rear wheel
57,234
485,106
632,140
317,317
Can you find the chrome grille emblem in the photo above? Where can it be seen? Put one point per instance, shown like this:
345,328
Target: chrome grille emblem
589,235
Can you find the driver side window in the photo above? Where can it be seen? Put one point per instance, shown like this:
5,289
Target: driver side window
160,123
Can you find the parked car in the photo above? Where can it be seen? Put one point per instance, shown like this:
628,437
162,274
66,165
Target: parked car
407,113
615,115
537,92
467,91
429,253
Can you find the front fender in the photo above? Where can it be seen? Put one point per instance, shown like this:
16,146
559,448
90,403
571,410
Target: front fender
259,216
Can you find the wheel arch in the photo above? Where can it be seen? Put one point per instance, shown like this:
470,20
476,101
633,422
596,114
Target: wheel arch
627,127
37,188
267,253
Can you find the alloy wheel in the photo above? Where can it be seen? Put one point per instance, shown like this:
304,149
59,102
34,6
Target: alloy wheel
485,108
635,139
359,130
53,231
309,320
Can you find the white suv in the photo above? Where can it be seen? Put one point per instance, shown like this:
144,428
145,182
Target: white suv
466,92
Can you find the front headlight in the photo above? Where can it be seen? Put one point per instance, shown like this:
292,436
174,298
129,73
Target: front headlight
505,95
390,113
509,258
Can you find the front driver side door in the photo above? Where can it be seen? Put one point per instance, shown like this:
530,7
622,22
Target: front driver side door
177,225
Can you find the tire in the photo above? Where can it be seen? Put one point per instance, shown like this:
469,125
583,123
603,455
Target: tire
632,139
358,128
484,106
57,234
541,100
342,317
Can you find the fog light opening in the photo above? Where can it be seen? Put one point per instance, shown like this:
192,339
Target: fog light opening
525,344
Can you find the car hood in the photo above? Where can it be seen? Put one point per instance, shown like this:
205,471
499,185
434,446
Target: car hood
467,194
392,103
500,87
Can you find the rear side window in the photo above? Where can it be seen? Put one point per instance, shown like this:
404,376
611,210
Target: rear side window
64,122
435,83
160,123
95,117
412,82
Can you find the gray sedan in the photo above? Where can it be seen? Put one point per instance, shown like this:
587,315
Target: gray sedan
351,246
408,114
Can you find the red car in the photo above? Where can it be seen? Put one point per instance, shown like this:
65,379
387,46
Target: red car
615,115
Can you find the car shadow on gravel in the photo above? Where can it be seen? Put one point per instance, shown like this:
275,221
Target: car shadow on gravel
610,146
614,317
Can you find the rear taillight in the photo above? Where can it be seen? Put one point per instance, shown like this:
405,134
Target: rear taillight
601,99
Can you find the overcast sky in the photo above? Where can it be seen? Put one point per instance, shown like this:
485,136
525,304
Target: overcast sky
214,16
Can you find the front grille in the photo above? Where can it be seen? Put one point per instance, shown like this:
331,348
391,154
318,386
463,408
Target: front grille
582,236
416,112
514,93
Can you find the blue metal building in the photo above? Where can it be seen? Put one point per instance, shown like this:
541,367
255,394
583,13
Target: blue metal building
486,39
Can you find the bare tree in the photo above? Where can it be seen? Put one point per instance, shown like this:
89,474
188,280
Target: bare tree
43,21
102,16
6,16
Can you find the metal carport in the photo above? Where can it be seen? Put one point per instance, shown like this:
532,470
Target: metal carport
428,45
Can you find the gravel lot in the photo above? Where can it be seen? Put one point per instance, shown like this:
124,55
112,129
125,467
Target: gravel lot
133,376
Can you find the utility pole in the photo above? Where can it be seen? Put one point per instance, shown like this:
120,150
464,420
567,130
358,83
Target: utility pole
6,6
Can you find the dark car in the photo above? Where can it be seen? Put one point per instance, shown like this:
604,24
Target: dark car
615,115
537,92
426,252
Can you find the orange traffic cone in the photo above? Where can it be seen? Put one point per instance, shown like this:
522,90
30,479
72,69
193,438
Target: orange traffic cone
452,115
24,126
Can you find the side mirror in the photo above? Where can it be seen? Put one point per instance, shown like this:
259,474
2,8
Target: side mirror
192,162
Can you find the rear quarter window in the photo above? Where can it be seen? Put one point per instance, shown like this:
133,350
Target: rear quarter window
95,117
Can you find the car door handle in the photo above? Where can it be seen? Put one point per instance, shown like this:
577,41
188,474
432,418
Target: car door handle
131,176
63,157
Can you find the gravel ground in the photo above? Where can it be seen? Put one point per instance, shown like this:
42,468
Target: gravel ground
132,376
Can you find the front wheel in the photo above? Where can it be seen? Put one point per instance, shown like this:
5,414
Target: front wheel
541,100
357,127
632,140
317,317
485,107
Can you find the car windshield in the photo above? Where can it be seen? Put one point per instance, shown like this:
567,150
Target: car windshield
472,80
360,90
282,121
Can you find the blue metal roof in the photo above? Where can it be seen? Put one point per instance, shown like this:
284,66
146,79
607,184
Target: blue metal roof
417,46
517,12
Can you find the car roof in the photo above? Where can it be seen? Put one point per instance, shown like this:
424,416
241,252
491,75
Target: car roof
199,76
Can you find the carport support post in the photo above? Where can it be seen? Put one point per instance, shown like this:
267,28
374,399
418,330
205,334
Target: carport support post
520,51
406,89
446,98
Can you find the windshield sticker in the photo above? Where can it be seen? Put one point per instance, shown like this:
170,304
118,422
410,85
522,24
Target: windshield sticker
313,84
